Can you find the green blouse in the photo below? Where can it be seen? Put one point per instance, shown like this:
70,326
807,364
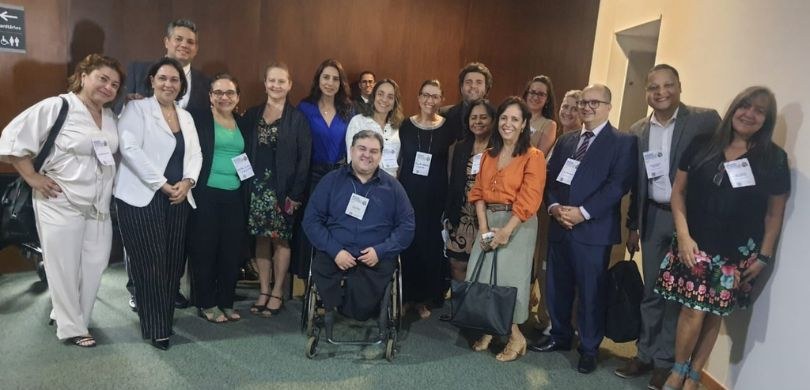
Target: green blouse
228,143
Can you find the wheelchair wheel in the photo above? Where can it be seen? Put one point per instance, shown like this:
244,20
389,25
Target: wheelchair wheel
390,348
312,347
309,311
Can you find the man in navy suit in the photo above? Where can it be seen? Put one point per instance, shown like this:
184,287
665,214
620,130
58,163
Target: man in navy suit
588,174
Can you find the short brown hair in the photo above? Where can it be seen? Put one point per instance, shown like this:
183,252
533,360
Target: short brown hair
91,63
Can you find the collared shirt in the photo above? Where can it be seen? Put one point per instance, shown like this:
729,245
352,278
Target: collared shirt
387,225
390,137
660,188
184,100
328,141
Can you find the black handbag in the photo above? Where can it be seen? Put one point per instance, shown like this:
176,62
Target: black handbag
484,307
18,225
625,291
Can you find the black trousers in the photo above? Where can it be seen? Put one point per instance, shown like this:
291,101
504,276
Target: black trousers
361,295
217,239
154,238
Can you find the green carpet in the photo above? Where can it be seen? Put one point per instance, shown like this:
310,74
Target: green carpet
255,353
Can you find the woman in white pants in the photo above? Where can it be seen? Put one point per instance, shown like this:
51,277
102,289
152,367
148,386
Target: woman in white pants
72,190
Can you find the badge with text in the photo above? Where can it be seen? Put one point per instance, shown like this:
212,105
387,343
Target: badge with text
476,164
103,152
357,206
656,164
739,173
243,168
568,171
389,157
421,165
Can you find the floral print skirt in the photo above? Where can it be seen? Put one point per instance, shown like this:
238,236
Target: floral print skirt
709,285
266,217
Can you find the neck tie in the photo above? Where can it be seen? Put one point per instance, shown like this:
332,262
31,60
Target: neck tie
584,146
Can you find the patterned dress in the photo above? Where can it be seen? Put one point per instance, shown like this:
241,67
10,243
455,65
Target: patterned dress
727,224
266,217
461,236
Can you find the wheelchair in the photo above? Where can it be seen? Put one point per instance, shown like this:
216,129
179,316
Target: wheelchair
389,320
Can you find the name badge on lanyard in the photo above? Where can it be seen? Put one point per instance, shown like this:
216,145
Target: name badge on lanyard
568,171
421,165
357,206
476,164
390,155
739,173
656,164
103,152
243,168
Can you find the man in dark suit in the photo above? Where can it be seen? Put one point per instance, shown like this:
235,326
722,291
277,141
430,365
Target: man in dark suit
364,87
181,44
474,82
663,136
588,174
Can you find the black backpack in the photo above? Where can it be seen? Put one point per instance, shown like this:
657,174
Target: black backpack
625,291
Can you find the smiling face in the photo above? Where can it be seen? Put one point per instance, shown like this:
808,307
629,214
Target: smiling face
593,117
511,124
366,84
277,83
537,96
663,91
166,84
473,87
181,45
430,98
366,155
569,114
329,81
749,117
100,85
384,98
224,97
480,121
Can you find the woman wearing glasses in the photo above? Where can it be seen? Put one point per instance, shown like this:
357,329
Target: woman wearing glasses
539,96
426,140
217,230
728,203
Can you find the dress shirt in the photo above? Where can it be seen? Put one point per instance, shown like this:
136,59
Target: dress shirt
520,183
390,136
184,100
660,188
595,132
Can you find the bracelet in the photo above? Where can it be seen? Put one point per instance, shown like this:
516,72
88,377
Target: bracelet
765,259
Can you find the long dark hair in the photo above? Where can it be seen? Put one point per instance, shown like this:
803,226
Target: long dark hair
488,108
760,142
548,109
524,141
343,98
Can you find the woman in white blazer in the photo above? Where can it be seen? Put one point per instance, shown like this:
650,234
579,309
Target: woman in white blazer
160,164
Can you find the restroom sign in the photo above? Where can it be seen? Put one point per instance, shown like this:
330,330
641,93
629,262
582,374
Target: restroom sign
12,28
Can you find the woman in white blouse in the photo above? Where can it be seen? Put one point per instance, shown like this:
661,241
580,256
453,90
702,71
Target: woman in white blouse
384,117
72,190
160,164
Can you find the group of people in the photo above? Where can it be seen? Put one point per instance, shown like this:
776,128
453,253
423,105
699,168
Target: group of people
352,185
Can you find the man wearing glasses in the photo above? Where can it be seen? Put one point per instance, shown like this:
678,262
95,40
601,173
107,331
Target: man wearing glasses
364,87
588,174
662,138
474,82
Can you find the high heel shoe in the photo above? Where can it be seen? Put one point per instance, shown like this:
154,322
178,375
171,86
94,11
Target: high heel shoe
268,312
681,370
257,308
482,344
161,344
512,351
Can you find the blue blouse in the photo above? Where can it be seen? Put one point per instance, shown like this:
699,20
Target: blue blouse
328,142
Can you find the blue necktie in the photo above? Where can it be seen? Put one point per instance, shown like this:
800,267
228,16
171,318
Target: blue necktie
584,146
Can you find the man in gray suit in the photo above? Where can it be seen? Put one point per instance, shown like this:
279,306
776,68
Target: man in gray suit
663,136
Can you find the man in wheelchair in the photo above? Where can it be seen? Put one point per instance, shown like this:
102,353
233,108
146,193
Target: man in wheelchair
358,219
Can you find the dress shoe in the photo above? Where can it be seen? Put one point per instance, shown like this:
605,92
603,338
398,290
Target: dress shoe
659,377
161,344
180,302
549,345
633,368
587,364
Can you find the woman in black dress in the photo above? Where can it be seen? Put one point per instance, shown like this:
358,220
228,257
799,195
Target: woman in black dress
426,140
728,203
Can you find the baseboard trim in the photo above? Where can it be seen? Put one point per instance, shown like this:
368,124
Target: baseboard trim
709,382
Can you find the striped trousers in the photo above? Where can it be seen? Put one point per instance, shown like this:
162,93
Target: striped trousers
154,237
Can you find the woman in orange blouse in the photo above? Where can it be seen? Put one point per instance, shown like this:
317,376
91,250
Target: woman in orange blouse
507,194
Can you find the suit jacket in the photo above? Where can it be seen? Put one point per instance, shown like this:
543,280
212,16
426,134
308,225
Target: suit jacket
136,83
605,174
690,122
146,143
292,155
455,119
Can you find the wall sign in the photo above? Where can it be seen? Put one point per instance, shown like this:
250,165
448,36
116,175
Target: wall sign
12,28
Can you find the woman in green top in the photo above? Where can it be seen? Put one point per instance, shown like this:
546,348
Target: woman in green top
217,236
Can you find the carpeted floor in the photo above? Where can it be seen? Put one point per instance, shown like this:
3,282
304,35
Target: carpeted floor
257,353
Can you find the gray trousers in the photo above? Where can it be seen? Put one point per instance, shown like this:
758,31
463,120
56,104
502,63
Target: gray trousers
659,317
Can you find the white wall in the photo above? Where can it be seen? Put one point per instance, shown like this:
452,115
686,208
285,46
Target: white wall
720,47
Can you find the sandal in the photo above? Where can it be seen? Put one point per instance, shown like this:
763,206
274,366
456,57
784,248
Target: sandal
482,344
512,351
268,312
231,314
682,370
213,314
83,341
424,312
257,307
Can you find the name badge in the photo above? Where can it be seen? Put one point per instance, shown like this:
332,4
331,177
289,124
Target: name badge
656,164
739,173
568,171
357,206
421,165
476,164
389,157
243,168
103,152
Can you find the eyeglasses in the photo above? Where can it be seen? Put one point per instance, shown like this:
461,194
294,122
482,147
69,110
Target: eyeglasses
593,104
427,96
539,94
229,93
721,173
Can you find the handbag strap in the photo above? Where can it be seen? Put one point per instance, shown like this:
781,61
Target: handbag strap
493,273
493,277
55,129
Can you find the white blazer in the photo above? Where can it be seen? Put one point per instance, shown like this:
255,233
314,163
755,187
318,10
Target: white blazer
146,144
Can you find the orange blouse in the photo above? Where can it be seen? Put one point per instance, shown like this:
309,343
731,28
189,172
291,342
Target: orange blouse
520,183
